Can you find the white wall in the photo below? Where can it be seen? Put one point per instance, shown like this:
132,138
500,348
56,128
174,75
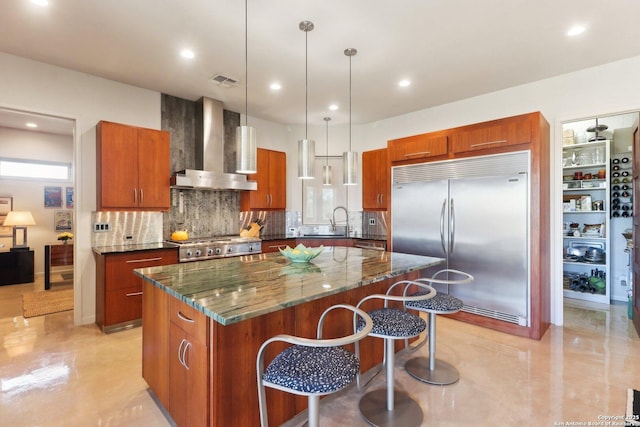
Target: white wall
28,195
41,88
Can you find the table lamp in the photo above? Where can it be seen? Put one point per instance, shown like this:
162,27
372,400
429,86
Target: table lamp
19,221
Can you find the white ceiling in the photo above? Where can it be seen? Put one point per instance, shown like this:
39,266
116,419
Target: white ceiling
449,49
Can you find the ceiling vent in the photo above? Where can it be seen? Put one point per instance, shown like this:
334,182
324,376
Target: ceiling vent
224,81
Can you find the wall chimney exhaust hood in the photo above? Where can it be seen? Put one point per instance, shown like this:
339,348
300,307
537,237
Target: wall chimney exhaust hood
209,171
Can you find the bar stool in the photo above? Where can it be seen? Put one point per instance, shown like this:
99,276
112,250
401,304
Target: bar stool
311,367
432,370
393,407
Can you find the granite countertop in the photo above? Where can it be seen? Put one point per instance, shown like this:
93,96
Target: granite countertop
237,288
114,249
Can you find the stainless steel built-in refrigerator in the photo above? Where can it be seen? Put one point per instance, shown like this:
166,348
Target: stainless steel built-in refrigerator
475,213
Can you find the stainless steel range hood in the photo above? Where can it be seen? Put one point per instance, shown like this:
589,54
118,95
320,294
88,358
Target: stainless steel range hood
209,157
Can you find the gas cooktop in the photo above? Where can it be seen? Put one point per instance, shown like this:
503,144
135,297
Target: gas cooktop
203,248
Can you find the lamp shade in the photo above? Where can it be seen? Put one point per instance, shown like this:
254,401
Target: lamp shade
306,158
350,167
19,218
246,149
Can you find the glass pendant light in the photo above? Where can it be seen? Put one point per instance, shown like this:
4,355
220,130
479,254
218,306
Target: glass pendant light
326,169
306,146
350,158
246,145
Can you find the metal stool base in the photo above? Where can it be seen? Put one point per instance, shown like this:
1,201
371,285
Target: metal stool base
406,413
443,374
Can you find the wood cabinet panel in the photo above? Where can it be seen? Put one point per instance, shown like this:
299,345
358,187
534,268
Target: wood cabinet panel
155,341
153,169
271,178
189,320
124,304
188,373
493,134
376,178
132,167
117,285
418,147
273,245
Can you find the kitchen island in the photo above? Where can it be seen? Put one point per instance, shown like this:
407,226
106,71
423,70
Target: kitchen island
203,323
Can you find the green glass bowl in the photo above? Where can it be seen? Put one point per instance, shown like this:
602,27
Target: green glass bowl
301,253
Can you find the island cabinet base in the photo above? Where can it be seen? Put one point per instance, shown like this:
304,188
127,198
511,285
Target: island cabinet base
232,382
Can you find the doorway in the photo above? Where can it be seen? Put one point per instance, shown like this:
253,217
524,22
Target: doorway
38,140
595,206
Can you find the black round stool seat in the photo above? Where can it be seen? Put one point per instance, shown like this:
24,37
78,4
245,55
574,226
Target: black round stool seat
313,369
441,303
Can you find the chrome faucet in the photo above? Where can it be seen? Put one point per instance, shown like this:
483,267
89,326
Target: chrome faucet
333,219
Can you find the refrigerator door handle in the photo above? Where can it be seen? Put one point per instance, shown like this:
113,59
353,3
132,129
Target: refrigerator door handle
452,228
444,205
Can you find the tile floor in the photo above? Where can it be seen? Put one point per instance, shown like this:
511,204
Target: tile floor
55,374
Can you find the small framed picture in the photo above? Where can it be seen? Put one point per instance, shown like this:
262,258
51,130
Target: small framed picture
52,197
63,220
69,197
6,206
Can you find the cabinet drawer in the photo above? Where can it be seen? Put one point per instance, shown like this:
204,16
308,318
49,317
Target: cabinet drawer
119,267
499,133
188,319
273,245
417,147
124,305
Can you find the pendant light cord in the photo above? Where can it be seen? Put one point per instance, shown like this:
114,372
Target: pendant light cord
349,102
246,64
306,84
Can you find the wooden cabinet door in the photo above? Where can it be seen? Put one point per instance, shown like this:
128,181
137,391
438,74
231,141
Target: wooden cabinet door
277,180
117,165
271,178
153,169
493,134
189,377
418,147
375,179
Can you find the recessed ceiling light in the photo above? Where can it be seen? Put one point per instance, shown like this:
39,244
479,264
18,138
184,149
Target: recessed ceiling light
333,107
187,53
404,83
575,30
42,3
275,86
31,125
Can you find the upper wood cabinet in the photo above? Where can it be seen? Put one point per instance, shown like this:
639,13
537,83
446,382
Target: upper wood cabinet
418,147
376,173
132,168
271,178
493,134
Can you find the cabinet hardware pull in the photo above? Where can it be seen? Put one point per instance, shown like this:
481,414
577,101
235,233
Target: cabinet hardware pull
135,196
418,153
180,351
131,261
141,196
185,318
184,355
133,294
500,141
444,205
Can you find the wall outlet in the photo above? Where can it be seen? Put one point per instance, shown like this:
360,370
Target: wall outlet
372,221
128,237
101,227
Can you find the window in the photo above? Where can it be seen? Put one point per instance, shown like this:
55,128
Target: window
34,169
318,201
